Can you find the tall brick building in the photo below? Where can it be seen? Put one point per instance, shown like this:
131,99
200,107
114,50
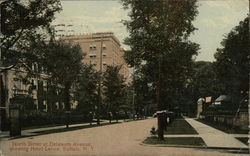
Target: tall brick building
112,53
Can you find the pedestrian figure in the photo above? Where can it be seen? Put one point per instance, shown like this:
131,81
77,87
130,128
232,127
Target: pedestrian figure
110,116
90,118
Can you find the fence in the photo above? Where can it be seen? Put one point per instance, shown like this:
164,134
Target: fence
240,120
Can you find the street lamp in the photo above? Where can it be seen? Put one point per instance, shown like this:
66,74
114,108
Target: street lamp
14,109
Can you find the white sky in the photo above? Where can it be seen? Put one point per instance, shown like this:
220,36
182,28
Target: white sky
215,19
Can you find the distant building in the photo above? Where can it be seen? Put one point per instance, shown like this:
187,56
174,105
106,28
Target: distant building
107,44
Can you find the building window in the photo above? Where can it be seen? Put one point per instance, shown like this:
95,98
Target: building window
104,46
34,67
45,86
57,105
104,55
45,106
63,106
36,103
92,55
32,82
42,70
44,83
35,84
92,47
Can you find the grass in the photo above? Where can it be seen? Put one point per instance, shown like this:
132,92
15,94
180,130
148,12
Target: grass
226,129
177,127
243,139
190,141
180,126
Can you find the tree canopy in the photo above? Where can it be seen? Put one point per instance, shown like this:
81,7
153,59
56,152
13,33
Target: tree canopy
232,61
20,18
158,39
113,88
86,89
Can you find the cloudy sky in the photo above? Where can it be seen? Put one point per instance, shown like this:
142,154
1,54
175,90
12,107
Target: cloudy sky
215,19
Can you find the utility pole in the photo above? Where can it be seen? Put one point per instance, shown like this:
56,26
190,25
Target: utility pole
100,84
249,79
133,98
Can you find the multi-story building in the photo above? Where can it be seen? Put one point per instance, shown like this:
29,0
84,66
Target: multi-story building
101,49
14,84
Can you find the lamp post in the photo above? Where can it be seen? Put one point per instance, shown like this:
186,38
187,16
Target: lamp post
15,126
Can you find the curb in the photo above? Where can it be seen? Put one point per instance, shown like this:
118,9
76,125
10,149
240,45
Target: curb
197,147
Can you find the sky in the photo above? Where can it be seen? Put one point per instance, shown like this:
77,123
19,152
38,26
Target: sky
216,18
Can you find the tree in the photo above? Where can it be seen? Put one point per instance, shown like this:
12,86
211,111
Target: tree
204,80
113,89
63,62
158,38
143,90
19,18
85,89
202,83
232,62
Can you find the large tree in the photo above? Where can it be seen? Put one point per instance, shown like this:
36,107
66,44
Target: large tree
158,38
232,62
19,18
63,64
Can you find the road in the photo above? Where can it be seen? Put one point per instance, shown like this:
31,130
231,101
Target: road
123,139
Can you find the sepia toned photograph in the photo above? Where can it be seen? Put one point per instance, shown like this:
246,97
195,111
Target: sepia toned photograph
124,78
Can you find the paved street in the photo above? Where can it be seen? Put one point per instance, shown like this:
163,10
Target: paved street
122,139
214,137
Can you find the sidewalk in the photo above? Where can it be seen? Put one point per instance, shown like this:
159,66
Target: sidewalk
215,138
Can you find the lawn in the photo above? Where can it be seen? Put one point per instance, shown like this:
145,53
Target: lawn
190,141
226,129
180,126
244,139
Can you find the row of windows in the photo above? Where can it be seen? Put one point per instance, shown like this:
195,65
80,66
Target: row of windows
36,68
94,55
45,105
21,84
93,47
104,64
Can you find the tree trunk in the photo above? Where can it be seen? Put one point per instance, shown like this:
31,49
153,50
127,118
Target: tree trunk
67,103
3,119
160,118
